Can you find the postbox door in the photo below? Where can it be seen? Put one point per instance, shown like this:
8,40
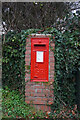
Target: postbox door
39,60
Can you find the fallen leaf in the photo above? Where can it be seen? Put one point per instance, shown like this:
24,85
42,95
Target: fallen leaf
54,111
73,112
75,107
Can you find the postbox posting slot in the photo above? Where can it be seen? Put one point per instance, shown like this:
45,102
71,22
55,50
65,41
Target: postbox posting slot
39,45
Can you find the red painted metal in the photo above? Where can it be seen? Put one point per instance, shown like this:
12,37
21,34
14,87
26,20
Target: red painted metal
39,59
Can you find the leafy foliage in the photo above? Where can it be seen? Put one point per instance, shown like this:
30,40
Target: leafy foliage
13,60
14,106
67,49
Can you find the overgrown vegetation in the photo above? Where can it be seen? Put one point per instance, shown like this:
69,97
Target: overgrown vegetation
67,49
14,106
13,60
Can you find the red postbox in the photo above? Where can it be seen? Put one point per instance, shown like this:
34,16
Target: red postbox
39,59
